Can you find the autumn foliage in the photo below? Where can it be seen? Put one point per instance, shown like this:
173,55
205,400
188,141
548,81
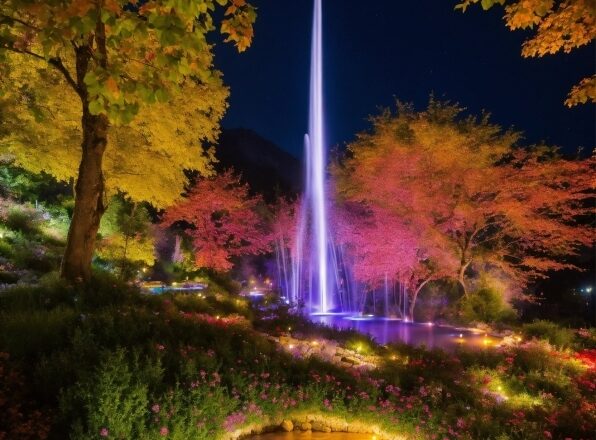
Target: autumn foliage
560,26
436,194
222,221
112,59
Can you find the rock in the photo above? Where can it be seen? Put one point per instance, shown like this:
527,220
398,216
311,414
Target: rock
306,426
320,426
287,425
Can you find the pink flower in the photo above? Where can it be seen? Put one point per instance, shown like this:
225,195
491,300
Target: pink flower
164,431
155,408
104,432
233,420
547,434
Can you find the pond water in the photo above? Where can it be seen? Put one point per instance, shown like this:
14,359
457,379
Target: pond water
296,435
414,333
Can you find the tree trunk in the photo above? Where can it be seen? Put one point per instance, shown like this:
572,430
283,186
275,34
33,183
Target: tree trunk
461,279
414,298
89,205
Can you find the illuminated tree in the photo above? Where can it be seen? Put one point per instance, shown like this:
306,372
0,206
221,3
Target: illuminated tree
145,159
117,57
386,246
560,26
221,219
462,188
126,237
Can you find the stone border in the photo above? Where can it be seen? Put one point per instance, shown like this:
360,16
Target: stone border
305,421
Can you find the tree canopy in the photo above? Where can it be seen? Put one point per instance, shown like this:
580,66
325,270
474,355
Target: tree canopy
221,219
117,57
145,159
462,196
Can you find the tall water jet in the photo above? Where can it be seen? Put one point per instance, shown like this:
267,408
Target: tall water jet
317,161
320,281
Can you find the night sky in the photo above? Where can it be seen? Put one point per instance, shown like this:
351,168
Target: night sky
377,51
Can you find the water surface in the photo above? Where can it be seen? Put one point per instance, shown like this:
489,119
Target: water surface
385,331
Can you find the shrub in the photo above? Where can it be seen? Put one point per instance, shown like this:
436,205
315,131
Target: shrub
553,333
25,220
30,333
114,400
485,305
8,277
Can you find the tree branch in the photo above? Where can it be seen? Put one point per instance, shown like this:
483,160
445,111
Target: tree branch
18,20
55,61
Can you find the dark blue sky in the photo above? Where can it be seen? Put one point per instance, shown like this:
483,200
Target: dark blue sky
376,51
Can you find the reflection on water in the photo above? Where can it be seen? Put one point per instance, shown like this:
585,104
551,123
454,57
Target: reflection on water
414,333
312,436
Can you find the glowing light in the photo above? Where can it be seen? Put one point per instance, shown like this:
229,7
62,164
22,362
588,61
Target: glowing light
291,346
430,324
393,357
461,335
217,317
315,343
289,329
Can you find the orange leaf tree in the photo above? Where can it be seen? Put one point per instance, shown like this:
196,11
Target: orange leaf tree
463,192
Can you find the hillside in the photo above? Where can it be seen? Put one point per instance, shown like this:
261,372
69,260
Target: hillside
267,168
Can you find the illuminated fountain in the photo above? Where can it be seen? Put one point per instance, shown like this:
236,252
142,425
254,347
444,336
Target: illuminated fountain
320,277
311,255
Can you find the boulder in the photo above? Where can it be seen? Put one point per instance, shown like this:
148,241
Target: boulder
287,425
305,426
320,426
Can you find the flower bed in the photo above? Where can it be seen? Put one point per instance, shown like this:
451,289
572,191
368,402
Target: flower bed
115,364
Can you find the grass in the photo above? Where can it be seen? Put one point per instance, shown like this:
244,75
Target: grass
105,361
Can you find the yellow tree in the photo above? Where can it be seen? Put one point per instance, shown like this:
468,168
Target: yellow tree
145,159
118,57
560,26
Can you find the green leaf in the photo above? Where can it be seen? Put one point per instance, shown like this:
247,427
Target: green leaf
90,79
95,107
487,4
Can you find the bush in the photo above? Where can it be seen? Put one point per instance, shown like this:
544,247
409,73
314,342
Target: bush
8,277
114,400
25,220
30,333
486,305
551,332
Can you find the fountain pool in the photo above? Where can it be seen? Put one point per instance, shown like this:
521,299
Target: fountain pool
387,330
